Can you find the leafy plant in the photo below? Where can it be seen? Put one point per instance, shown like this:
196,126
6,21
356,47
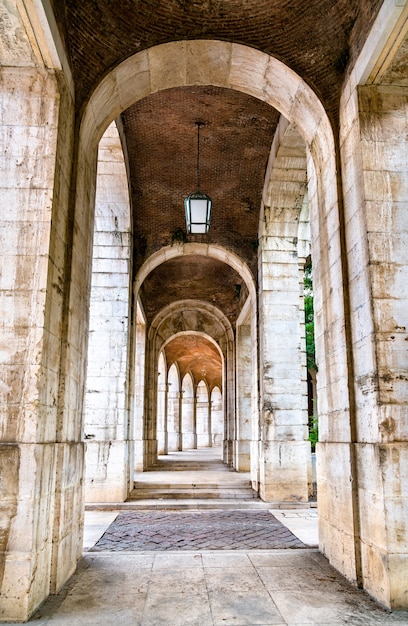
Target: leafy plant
313,431
309,318
178,235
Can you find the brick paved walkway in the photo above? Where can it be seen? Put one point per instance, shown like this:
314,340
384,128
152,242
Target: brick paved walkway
204,530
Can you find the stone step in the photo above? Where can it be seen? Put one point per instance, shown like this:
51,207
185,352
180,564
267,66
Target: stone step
193,494
191,467
244,486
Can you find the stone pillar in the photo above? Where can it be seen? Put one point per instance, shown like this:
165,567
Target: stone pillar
162,437
229,405
139,389
41,458
173,410
107,428
242,456
375,164
188,421
285,451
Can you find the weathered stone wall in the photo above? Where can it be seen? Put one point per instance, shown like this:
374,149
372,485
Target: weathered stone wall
41,473
375,161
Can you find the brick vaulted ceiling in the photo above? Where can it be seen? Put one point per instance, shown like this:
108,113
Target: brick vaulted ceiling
315,38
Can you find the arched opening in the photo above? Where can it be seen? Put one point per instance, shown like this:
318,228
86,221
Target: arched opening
203,415
217,417
299,105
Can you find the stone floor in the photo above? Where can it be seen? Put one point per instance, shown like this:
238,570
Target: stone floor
207,587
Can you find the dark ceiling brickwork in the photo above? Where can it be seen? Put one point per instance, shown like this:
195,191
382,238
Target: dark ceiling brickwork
161,136
313,37
194,277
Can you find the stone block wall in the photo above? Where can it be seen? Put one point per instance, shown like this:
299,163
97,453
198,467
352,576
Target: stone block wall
109,445
375,161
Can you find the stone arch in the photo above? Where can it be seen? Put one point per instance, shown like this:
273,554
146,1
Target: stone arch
210,250
238,67
209,62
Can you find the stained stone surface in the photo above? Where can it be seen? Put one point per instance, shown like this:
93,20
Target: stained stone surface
204,530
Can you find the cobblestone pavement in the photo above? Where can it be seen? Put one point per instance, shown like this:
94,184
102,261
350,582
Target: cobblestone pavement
205,530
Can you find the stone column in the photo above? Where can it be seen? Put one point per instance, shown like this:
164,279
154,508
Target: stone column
173,410
161,420
242,456
375,164
162,437
139,389
41,461
107,428
285,451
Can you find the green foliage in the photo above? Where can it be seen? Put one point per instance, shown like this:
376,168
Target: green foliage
313,432
309,318
310,344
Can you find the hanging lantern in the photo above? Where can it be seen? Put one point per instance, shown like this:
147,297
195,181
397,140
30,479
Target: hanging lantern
198,205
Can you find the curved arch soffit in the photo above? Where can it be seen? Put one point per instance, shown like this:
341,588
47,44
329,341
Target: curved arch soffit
190,305
200,249
196,334
209,62
288,155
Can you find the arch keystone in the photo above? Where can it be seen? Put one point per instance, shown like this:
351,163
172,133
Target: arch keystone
208,62
167,65
133,76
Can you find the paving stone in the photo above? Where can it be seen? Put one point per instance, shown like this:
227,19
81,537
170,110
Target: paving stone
204,530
